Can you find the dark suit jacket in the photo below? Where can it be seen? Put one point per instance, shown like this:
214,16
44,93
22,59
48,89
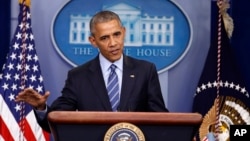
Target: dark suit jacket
85,88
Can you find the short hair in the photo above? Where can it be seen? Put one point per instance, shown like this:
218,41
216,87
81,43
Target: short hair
101,17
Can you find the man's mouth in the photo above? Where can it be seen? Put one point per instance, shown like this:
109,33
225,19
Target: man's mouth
114,52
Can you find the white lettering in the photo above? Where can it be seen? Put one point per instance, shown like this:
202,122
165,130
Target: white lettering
83,51
153,52
240,132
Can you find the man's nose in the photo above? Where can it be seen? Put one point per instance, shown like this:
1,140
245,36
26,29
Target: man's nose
112,41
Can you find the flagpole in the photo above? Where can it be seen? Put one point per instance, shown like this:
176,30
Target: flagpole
217,104
23,64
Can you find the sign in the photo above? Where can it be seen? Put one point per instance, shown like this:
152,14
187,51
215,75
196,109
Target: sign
158,31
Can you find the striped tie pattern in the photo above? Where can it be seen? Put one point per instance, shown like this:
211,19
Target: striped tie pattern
113,88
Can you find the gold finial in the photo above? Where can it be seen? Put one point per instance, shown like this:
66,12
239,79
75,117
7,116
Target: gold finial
228,21
27,2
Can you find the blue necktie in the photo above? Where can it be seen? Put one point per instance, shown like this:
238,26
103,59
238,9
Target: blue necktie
113,88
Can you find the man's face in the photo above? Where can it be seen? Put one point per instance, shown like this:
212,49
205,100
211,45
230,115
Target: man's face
109,38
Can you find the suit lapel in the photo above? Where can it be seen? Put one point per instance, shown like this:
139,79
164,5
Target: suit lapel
128,82
98,83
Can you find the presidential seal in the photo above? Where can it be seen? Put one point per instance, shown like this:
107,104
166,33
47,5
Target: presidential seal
233,112
124,132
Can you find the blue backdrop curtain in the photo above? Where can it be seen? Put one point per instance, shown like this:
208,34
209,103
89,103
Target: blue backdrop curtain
4,30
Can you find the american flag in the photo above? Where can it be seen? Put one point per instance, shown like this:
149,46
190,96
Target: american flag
21,70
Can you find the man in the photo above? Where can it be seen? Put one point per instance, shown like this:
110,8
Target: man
87,86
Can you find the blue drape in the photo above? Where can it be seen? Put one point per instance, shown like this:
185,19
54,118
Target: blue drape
4,30
240,39
239,12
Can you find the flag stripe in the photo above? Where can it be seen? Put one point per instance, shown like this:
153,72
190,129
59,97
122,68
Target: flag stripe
5,134
1,138
34,127
46,135
27,131
9,120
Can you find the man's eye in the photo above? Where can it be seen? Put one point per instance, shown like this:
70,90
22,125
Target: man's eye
117,34
104,38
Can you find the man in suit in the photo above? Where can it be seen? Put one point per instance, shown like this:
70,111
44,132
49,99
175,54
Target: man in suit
85,89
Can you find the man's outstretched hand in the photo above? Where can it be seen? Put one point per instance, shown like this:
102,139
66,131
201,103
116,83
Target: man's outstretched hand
33,98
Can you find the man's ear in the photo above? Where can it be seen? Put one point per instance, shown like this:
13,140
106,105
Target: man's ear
124,31
92,41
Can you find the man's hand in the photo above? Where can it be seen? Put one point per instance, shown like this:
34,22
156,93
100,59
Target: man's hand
33,98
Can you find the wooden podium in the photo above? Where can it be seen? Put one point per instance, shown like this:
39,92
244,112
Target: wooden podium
93,126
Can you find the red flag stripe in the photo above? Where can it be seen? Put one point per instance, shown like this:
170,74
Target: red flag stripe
34,127
27,131
46,135
5,133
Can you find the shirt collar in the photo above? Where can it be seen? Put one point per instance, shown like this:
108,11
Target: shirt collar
105,64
